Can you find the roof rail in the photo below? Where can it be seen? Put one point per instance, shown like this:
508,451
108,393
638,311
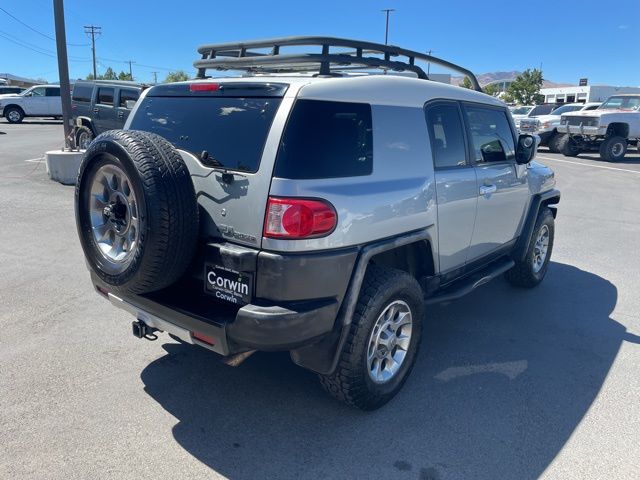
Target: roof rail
361,56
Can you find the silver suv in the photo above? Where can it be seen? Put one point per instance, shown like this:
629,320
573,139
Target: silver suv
307,208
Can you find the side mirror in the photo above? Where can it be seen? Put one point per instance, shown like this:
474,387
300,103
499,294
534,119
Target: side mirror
526,149
129,104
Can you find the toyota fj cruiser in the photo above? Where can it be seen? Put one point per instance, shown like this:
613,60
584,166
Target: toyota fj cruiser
608,130
308,208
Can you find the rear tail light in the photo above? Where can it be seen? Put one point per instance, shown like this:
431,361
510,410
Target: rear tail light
204,87
204,338
295,218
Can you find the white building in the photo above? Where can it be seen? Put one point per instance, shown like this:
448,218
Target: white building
589,93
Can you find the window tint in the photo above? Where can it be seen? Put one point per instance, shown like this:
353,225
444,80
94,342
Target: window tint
326,140
491,134
53,91
128,95
447,136
105,96
542,110
82,93
233,131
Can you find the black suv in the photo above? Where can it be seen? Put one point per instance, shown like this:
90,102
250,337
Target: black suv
101,105
5,89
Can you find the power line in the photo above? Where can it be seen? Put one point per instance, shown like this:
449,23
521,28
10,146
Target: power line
35,48
93,31
39,32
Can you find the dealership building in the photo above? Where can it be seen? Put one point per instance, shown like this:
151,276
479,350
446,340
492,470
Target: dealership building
583,94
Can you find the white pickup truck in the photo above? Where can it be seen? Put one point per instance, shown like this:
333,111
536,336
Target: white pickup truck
37,101
546,126
609,130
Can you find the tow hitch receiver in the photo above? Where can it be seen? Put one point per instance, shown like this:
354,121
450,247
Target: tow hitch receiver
142,330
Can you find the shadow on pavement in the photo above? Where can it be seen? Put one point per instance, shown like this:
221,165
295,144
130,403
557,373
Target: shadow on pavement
503,379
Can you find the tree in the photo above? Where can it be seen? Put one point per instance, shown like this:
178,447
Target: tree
525,89
491,89
178,76
109,74
466,83
124,76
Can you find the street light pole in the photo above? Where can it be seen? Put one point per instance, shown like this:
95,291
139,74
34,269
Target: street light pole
63,72
386,30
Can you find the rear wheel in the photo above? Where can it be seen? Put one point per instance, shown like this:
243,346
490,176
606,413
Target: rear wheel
14,114
613,149
383,341
568,146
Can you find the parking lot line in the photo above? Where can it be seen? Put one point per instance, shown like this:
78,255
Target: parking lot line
589,164
35,160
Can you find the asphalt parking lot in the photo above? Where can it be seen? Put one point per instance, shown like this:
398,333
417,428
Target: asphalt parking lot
510,384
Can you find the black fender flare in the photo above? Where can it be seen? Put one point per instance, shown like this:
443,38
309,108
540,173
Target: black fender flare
539,200
322,357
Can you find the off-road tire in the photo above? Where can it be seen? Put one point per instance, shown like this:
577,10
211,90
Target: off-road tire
350,382
554,142
83,134
167,211
18,114
568,146
613,149
523,273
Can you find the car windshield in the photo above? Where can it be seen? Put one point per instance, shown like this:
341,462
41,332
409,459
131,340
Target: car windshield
622,103
521,110
565,109
27,91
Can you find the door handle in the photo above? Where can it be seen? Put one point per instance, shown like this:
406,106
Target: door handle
95,110
120,115
488,189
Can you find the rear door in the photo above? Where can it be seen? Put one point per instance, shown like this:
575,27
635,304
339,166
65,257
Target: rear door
127,97
228,134
502,189
455,183
54,102
104,111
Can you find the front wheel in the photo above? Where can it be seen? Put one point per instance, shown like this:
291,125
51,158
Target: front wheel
531,270
568,146
613,149
383,341
554,142
14,114
84,136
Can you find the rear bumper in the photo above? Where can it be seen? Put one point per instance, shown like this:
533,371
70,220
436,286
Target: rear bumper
296,301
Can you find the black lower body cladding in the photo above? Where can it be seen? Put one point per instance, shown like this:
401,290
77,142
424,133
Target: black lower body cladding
136,211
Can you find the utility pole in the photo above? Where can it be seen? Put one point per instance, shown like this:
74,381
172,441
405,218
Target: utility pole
429,63
155,77
93,31
130,72
386,30
63,72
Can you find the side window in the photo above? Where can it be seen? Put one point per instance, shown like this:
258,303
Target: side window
128,95
53,91
82,93
38,92
447,135
105,96
326,140
491,135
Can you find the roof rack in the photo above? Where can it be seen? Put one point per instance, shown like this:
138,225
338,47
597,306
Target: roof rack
358,56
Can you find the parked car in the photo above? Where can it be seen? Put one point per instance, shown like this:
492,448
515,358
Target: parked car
310,210
101,105
608,130
529,111
37,101
546,126
5,90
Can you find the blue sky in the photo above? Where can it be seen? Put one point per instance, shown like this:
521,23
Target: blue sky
570,38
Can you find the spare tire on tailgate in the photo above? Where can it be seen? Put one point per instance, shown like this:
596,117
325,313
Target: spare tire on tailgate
136,211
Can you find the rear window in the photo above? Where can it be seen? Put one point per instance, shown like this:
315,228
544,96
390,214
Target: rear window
232,131
82,93
53,92
326,140
128,95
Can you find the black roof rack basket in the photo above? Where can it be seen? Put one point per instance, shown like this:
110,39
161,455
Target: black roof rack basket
352,55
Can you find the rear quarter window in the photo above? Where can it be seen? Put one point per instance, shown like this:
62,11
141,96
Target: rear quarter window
326,140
